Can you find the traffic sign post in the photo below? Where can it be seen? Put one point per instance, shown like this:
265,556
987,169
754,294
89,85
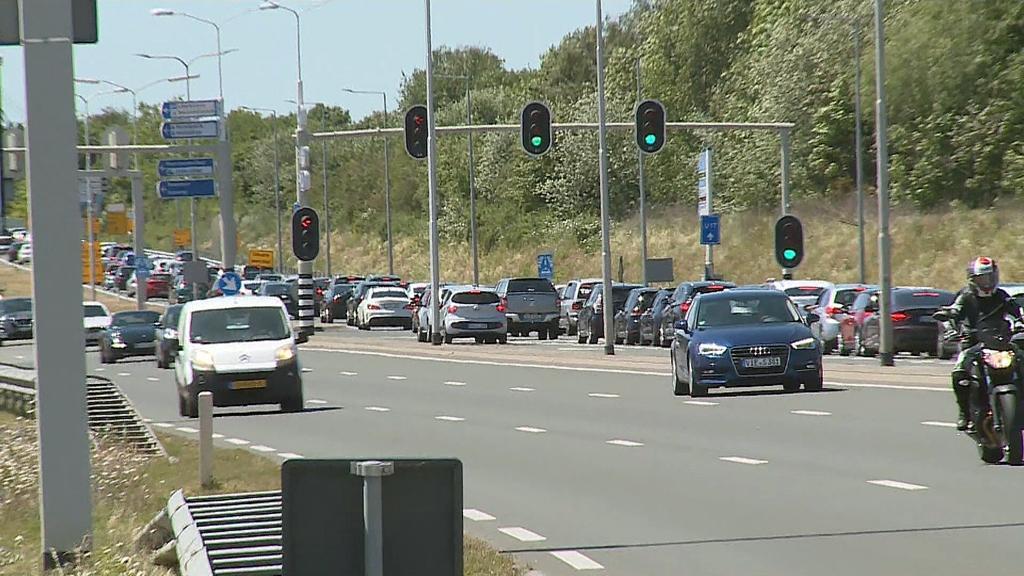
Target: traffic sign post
546,266
704,208
184,167
202,188
710,230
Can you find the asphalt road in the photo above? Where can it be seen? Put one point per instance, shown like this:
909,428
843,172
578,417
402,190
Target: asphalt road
577,461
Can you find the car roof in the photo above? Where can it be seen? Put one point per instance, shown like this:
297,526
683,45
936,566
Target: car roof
786,284
94,303
228,302
768,292
471,287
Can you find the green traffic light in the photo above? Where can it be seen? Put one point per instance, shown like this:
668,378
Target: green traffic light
536,141
650,139
789,254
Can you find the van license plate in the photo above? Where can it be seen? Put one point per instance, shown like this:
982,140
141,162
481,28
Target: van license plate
248,384
768,362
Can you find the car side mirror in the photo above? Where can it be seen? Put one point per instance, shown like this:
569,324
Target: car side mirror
682,326
811,318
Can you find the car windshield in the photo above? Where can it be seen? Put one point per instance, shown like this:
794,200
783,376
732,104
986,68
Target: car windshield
921,298
341,289
740,310
530,285
619,296
276,289
94,311
238,325
392,293
17,305
135,318
645,300
475,297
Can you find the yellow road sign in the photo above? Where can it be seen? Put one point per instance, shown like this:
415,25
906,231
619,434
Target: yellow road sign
97,261
261,258
95,226
117,223
182,237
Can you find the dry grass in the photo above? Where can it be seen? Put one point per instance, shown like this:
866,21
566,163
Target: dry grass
15,282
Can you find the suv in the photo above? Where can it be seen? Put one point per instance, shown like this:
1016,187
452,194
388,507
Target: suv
531,305
575,294
241,349
591,319
679,303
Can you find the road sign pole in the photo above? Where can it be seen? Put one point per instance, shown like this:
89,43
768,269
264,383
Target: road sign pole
65,501
373,473
709,260
606,249
643,194
885,348
784,137
435,261
139,240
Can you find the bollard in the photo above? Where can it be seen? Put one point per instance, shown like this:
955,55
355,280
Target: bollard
206,439
373,472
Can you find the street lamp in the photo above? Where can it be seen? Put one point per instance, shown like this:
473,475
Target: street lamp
387,183
323,161
277,182
219,53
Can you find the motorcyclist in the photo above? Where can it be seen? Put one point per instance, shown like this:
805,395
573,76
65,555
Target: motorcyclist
980,305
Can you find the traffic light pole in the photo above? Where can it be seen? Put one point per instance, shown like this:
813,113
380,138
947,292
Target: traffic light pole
606,250
787,274
435,272
885,344
643,198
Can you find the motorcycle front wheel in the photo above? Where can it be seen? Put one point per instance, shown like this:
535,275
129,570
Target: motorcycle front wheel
1011,428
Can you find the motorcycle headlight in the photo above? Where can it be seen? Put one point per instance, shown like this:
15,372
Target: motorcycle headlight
285,353
202,360
711,349
998,359
805,344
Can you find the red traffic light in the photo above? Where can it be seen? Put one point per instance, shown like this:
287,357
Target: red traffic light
306,222
416,132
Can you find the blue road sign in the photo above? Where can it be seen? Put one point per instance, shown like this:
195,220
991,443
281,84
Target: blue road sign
710,229
177,110
185,167
546,266
181,130
186,188
142,266
229,283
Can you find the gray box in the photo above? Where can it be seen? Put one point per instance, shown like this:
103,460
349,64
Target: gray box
83,22
322,518
659,270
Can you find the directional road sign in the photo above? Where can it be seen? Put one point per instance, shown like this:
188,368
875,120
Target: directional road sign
185,167
178,110
546,266
181,130
710,229
186,188
229,283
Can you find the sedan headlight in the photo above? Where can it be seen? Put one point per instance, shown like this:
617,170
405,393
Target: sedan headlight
285,354
998,359
711,349
805,344
202,360
115,337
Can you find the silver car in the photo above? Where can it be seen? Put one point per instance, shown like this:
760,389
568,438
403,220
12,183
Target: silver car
474,312
422,321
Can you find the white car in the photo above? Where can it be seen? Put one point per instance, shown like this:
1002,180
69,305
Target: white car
250,288
97,319
19,234
24,253
385,306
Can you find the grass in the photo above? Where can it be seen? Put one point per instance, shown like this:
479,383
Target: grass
129,490
15,282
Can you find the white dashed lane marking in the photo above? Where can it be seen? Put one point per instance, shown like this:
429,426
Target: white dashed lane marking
577,560
522,534
147,420
262,448
237,441
186,429
449,418
397,378
20,357
316,401
124,373
100,370
163,425
521,389
216,436
626,443
531,429
476,515
897,484
377,409
742,460
305,370
290,455
349,373
602,395
810,413
700,403
153,379
939,424
455,383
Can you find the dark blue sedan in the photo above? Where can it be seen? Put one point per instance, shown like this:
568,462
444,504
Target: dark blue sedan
744,338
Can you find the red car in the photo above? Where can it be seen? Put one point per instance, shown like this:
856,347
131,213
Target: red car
158,286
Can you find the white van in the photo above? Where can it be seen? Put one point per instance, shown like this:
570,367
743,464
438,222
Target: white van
240,348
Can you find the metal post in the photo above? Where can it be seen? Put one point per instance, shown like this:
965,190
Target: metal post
472,185
435,264
858,154
327,206
277,199
139,240
193,241
373,473
89,207
709,261
784,137
387,193
206,439
885,348
65,500
606,250
643,195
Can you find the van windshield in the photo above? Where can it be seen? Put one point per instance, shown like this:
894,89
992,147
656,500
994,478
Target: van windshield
238,325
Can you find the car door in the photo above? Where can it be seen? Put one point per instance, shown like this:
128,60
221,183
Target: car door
682,338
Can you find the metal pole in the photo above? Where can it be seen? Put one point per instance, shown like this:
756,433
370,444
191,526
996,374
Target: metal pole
435,264
89,208
373,473
643,195
206,439
885,347
193,241
277,199
472,186
3,199
709,262
606,250
858,154
784,137
228,228
387,193
139,240
65,499
302,186
327,206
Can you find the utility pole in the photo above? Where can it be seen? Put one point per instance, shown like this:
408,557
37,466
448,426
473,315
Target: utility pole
472,184
435,261
643,199
885,347
606,250
858,155
327,206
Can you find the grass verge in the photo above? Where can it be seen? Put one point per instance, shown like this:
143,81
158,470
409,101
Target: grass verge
128,491
17,283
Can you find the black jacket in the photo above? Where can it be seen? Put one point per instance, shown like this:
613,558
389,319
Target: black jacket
975,312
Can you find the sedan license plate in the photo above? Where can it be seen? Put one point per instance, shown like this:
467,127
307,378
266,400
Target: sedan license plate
477,326
533,317
767,362
248,384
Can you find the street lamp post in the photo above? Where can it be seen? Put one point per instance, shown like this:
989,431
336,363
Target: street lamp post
472,175
326,222
643,193
88,198
884,264
277,183
387,178
606,250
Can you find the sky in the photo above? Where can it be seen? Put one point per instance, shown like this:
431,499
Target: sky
358,44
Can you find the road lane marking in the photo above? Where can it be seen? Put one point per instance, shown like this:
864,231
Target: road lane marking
163,425
306,370
810,412
627,443
99,369
603,395
700,403
397,378
237,441
940,424
316,401
377,409
124,373
153,379
147,420
476,515
455,383
521,389
20,357
522,534
531,429
349,373
889,386
577,560
262,448
187,430
290,455
216,436
742,460
449,418
897,484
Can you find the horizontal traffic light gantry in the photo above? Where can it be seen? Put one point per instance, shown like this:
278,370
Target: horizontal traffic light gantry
535,125
305,234
650,126
416,131
789,241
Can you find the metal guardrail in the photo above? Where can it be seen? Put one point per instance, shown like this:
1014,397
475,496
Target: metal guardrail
227,534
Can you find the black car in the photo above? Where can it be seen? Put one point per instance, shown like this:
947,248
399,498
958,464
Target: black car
680,302
350,279
650,321
129,334
627,320
15,319
167,336
358,293
121,278
286,292
590,322
336,302
913,328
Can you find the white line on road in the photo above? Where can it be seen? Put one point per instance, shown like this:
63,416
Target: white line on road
522,534
397,378
476,515
454,383
377,409
262,448
602,395
305,370
124,373
349,373
627,443
742,460
576,560
186,429
449,418
290,455
152,379
147,420
216,436
889,386
700,403
163,425
531,429
810,413
897,484
940,424
316,401
521,389
237,441
20,357
101,369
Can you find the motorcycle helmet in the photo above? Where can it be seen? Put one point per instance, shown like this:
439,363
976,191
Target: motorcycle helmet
983,276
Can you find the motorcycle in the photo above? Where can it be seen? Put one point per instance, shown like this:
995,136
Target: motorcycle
996,386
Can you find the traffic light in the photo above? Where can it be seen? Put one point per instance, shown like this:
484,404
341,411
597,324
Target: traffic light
789,242
535,123
416,132
650,126
305,234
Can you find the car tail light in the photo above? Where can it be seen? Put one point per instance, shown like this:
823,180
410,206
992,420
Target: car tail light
500,308
372,307
833,310
684,307
577,305
319,291
337,297
899,316
453,309
504,303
